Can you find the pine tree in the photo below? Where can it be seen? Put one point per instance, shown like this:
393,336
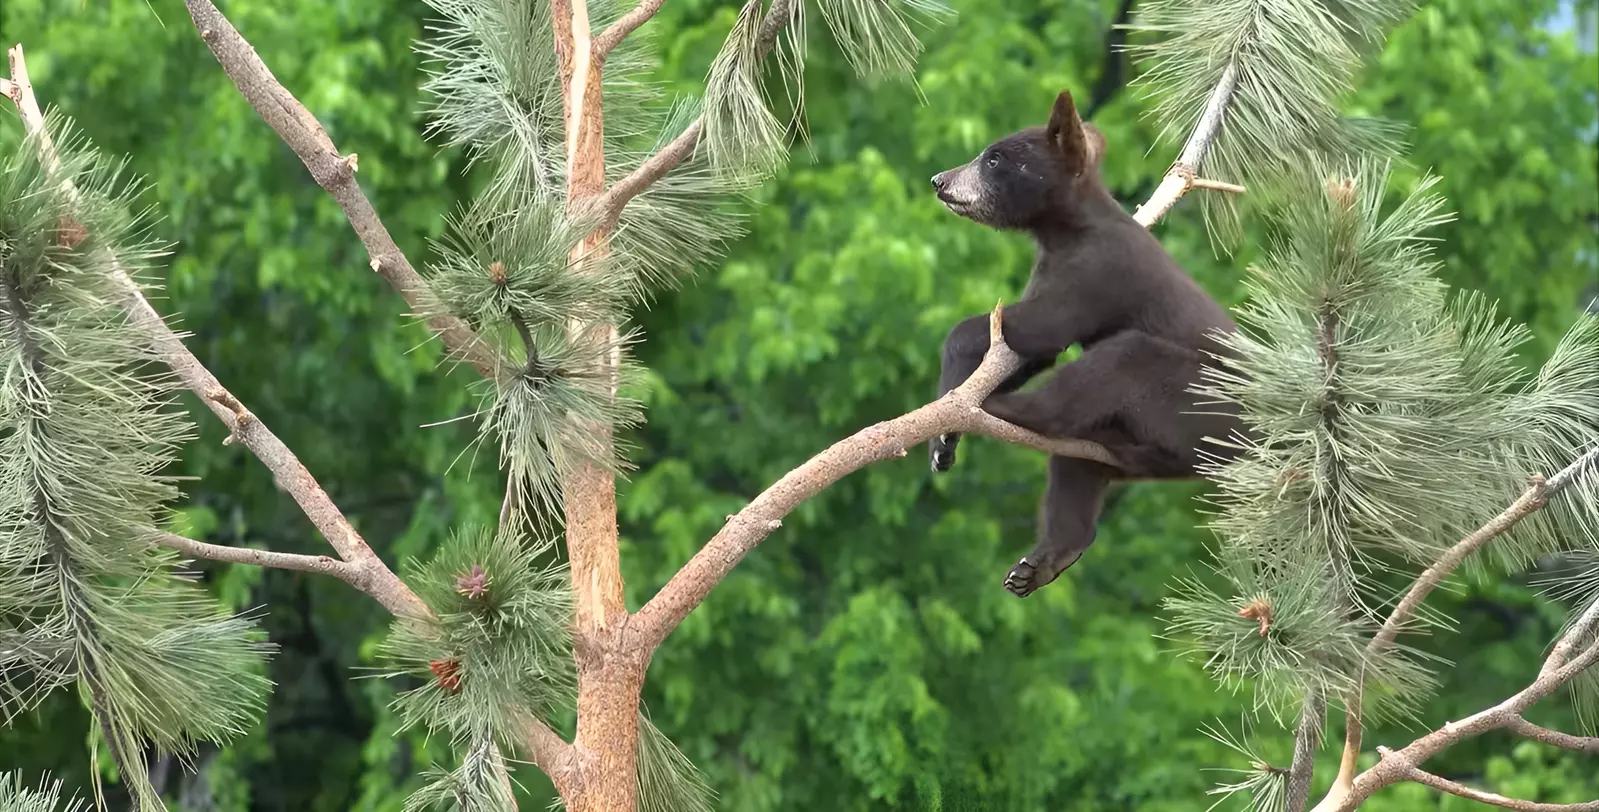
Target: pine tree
86,427
1389,420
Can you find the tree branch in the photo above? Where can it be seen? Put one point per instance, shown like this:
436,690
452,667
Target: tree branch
1307,740
335,173
1534,498
958,411
1582,631
1442,784
319,564
1395,765
1182,175
613,34
676,151
548,751
1578,744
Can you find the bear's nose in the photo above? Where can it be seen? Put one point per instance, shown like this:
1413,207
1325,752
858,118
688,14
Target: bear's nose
938,182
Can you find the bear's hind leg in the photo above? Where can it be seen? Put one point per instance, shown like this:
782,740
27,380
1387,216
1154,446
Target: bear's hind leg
1132,381
1066,522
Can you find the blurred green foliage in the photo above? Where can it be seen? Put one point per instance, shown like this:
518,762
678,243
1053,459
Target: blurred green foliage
866,656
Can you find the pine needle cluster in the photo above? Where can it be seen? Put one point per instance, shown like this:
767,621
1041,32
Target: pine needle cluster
87,425
1387,420
17,797
499,647
1293,61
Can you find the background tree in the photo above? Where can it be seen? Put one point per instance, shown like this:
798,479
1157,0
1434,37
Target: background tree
819,712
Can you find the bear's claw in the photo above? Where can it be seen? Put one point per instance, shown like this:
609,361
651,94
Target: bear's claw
941,454
1022,580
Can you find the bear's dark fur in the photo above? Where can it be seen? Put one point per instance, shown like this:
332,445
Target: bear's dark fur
1102,281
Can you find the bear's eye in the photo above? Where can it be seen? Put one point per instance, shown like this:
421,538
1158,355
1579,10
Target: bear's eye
993,160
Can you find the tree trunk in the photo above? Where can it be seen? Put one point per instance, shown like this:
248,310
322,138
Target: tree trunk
610,674
607,741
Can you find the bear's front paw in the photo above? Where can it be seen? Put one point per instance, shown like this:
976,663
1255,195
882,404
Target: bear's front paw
1028,575
1022,579
941,452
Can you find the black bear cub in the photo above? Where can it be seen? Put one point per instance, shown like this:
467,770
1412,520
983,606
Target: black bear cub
1102,281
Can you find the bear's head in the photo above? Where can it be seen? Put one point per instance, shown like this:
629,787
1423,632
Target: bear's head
1031,178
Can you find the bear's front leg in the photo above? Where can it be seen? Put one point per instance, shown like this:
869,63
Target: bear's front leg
964,349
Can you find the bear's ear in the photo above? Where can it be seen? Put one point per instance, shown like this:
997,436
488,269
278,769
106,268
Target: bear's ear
1065,132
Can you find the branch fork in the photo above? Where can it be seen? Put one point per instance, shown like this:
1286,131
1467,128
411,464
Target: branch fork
1350,789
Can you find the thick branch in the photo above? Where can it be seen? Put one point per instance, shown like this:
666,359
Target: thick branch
377,581
1182,175
1442,784
613,35
958,411
1581,632
1578,744
335,173
548,751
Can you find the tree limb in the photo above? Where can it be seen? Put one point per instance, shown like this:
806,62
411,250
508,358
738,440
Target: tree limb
1442,784
958,411
319,564
1578,744
1534,498
335,173
1395,765
1182,175
617,31
680,148
1307,740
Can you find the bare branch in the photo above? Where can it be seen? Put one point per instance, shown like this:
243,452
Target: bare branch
613,35
680,148
1395,764
1579,744
292,476
335,173
1217,186
959,410
1534,498
1442,784
1182,175
319,564
1584,631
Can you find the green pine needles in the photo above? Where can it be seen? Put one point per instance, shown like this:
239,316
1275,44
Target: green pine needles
507,268
504,266
86,427
501,641
16,797
1388,422
1291,61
